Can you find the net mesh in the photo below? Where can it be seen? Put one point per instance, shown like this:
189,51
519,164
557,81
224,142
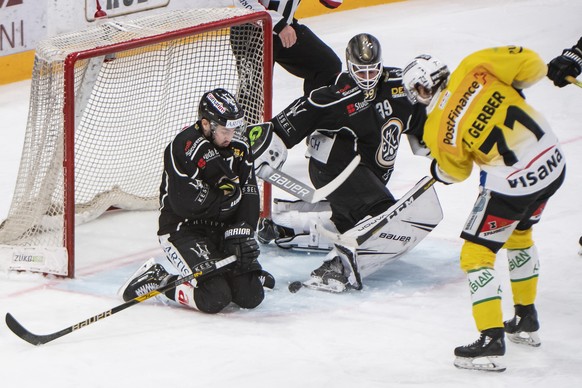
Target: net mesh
129,104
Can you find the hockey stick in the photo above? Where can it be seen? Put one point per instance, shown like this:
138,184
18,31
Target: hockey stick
203,269
365,229
574,81
301,190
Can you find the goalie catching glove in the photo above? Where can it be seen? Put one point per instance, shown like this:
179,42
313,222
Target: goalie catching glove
239,240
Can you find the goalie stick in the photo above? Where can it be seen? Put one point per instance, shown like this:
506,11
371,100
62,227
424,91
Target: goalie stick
301,190
36,339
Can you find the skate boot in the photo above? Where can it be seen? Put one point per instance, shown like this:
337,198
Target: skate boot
523,327
329,276
482,354
150,276
269,231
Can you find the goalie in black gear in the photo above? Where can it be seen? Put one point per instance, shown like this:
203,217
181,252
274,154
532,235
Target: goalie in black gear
209,207
364,112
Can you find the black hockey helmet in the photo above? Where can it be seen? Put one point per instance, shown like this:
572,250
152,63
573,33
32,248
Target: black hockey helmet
220,107
364,60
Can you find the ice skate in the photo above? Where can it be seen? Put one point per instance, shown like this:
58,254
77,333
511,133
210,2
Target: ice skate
147,278
483,354
269,231
328,277
522,328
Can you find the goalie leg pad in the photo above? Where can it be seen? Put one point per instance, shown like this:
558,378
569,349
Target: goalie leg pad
349,259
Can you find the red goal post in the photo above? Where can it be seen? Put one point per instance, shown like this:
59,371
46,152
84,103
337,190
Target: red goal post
104,104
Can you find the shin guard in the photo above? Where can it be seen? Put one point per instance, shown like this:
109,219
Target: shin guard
486,298
523,271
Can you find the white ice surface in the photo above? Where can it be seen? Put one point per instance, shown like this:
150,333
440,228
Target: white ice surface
399,331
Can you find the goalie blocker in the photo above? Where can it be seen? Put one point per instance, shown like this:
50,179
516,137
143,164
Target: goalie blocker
270,154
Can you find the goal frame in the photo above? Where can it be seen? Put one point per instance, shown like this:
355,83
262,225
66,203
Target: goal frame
69,107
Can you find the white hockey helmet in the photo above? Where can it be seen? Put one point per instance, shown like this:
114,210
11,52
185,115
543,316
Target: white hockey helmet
364,60
423,78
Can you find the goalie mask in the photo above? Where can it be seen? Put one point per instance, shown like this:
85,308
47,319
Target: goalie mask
424,78
220,108
364,60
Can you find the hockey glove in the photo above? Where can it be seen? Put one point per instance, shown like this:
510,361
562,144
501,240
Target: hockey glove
569,63
231,198
331,4
239,240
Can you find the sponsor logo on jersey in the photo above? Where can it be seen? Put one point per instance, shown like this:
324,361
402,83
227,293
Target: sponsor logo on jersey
348,90
187,146
210,154
531,178
297,108
202,194
250,189
176,260
284,122
201,250
191,147
357,107
398,91
344,89
494,225
487,111
456,113
201,163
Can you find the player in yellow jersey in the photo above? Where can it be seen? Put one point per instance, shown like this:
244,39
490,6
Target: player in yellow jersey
478,115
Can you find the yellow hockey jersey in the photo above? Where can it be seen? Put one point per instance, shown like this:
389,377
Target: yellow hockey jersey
482,117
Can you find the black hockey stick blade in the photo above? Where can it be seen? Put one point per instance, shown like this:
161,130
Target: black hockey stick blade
35,339
302,190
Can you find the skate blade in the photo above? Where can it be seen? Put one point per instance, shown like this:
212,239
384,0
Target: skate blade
331,286
487,364
525,338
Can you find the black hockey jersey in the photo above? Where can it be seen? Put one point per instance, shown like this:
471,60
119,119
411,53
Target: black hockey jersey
376,122
193,167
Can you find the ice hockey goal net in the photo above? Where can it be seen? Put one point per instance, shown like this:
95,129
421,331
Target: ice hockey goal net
105,102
